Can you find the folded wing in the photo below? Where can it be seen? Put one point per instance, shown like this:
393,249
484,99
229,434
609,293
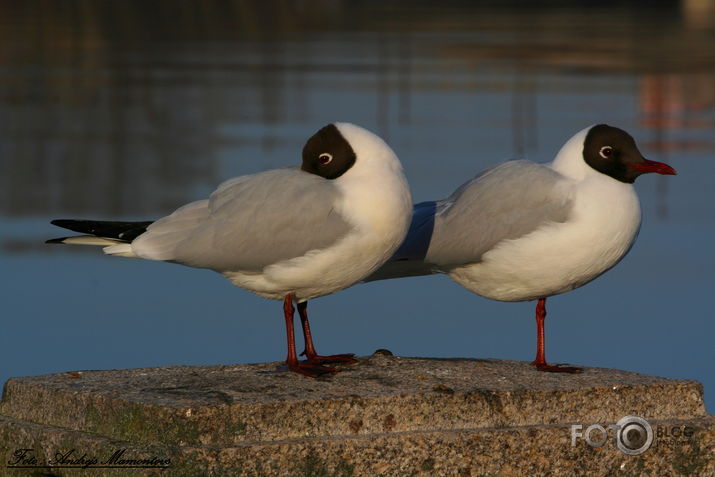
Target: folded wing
248,223
505,202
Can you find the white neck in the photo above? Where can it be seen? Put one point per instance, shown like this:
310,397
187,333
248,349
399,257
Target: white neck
570,162
375,189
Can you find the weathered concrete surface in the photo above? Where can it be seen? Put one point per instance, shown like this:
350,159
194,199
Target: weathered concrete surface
384,416
507,452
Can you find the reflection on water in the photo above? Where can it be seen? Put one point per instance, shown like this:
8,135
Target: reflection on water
124,108
129,109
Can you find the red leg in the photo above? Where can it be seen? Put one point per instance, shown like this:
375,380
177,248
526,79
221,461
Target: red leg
540,361
540,345
310,353
308,369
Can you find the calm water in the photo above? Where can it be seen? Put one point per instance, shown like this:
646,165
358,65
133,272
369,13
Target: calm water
127,110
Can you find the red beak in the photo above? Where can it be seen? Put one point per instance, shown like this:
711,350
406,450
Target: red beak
653,166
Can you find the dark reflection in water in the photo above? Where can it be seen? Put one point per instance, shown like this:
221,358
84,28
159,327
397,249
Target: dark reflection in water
128,109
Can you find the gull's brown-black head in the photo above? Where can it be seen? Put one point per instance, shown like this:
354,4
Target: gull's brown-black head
328,154
613,152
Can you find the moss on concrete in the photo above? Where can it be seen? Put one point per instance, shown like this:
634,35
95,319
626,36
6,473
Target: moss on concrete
386,416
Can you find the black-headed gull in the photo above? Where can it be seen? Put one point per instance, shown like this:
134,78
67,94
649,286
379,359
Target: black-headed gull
526,231
289,234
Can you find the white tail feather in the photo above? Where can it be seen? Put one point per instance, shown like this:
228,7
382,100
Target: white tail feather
120,250
90,240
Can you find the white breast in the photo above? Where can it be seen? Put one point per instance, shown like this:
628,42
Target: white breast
559,257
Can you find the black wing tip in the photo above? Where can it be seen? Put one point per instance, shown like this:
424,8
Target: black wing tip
125,231
65,222
56,240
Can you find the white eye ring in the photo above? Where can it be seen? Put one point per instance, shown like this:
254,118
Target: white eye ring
325,158
606,152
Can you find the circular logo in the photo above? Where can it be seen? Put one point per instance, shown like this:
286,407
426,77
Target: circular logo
634,435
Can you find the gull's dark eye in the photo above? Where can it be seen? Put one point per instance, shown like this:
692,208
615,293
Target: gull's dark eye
606,152
325,158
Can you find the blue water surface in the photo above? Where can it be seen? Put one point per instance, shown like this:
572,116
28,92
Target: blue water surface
117,111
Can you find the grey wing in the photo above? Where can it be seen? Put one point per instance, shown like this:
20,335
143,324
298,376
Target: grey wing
505,202
249,223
